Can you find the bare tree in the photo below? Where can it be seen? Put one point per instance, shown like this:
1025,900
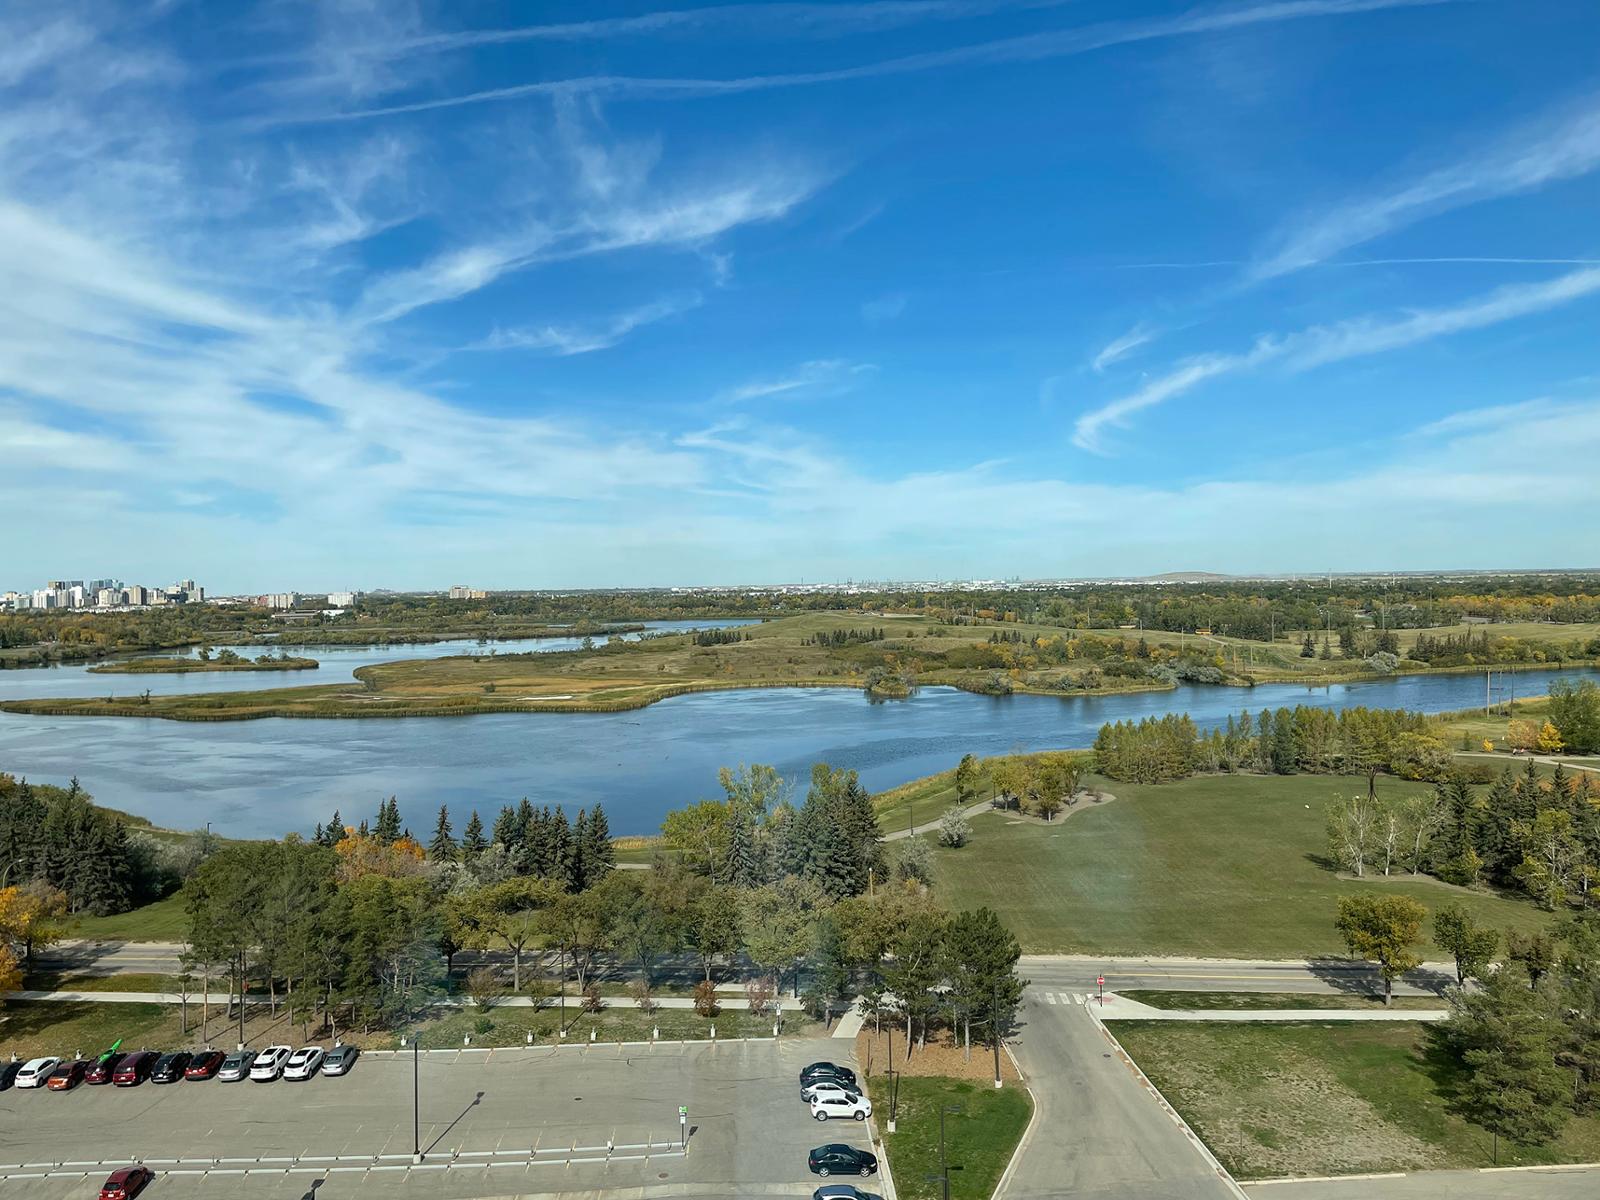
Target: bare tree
1352,829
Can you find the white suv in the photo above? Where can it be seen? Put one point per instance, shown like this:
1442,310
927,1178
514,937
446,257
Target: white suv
303,1063
35,1071
269,1063
827,1106
826,1087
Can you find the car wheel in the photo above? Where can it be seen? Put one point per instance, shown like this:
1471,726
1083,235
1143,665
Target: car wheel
821,1116
866,1171
822,1170
861,1116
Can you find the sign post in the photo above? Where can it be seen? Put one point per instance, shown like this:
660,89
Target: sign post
683,1125
1100,982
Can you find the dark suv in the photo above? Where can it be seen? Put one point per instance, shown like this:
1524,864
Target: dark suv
839,1159
169,1068
818,1071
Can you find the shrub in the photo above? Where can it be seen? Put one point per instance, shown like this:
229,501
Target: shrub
763,997
705,999
592,1001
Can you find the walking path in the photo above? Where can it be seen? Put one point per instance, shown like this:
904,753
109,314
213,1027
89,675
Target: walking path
789,1003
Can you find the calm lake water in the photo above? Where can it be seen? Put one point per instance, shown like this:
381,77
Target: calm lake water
267,777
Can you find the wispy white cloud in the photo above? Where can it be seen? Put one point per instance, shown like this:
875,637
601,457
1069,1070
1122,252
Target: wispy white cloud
1325,344
1563,144
819,376
1120,347
1033,47
884,308
568,339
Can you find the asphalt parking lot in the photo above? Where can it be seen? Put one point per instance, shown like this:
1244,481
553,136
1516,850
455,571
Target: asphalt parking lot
537,1122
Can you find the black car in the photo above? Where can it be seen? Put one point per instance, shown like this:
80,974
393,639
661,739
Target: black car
8,1073
839,1159
827,1070
169,1068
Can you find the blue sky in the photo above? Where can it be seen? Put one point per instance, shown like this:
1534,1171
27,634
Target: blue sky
582,294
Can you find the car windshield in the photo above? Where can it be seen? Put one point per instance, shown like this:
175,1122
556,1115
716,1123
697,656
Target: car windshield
942,599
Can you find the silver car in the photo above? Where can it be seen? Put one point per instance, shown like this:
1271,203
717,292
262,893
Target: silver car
340,1059
236,1066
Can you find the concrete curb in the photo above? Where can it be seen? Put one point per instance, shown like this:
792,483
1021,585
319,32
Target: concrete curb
1194,1138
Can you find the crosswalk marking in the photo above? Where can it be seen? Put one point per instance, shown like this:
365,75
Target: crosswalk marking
1050,996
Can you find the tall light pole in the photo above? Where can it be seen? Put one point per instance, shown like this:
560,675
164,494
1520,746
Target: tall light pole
994,1031
416,1098
944,1165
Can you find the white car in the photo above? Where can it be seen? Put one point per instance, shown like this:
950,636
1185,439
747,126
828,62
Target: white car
303,1063
269,1063
826,1107
35,1071
826,1087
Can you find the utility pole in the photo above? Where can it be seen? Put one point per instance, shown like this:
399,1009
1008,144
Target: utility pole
416,1098
994,1031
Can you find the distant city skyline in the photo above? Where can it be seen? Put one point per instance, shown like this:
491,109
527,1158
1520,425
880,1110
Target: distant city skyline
412,294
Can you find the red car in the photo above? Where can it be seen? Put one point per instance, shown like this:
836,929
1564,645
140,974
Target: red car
125,1183
204,1064
135,1068
67,1076
104,1068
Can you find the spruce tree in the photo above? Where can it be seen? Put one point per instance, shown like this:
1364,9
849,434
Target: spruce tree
505,829
473,843
560,849
525,822
442,847
333,831
387,830
578,854
739,866
602,855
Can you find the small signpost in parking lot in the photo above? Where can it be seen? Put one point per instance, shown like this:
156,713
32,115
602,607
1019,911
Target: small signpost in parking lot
683,1125
1100,982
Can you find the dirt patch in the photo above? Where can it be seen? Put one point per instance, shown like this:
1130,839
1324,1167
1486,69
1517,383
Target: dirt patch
941,1055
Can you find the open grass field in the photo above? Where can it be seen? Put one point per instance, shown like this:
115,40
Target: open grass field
1258,1000
1276,1100
162,921
978,1140
1215,865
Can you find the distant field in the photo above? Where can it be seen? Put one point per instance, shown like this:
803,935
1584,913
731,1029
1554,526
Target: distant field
162,921
1277,1100
196,666
1228,866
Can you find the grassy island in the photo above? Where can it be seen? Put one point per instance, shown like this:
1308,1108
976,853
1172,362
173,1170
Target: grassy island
187,666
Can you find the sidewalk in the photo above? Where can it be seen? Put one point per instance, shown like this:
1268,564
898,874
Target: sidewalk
789,1003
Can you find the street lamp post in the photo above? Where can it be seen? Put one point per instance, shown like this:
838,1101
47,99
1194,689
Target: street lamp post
994,1031
944,1165
893,1107
416,1099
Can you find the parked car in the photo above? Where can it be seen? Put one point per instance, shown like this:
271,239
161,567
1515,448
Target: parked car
125,1183
169,1068
303,1063
104,1068
827,1087
8,1074
203,1064
828,1070
67,1076
268,1065
826,1107
236,1065
339,1060
839,1159
135,1068
843,1191
35,1071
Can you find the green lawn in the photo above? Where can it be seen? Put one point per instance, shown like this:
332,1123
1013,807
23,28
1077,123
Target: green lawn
162,921
1215,865
28,1027
1248,1000
618,1021
978,1140
1274,1100
111,983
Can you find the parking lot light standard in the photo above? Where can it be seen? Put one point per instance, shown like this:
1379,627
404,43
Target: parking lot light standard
416,1098
944,1165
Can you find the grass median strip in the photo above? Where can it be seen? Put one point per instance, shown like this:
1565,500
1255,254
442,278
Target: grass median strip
1278,1000
1279,1100
979,1139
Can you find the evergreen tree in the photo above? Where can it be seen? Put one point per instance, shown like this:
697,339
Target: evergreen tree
473,843
1285,746
22,816
333,831
387,830
561,865
739,869
600,856
505,830
576,857
1308,648
442,847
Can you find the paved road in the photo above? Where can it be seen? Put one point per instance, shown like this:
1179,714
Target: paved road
1077,973
1441,1185
546,1118
1097,1133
